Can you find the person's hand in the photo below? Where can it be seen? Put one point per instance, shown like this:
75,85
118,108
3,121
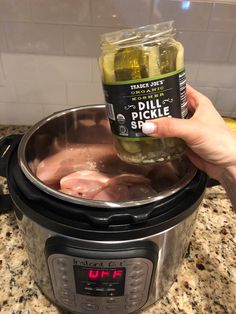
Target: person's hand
211,144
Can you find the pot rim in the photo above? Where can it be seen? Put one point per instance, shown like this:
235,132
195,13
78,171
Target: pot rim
81,201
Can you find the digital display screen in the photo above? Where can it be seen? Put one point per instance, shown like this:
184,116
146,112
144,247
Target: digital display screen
99,281
101,275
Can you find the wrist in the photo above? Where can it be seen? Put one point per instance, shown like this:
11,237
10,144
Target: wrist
228,181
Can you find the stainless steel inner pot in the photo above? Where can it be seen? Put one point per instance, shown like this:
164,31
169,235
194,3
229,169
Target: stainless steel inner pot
85,126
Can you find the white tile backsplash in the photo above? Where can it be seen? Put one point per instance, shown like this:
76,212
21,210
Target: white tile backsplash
34,38
65,68
20,66
80,94
49,50
210,92
121,13
232,56
206,46
195,18
193,43
7,92
50,109
10,113
3,43
223,17
96,74
2,72
226,100
61,12
41,91
15,10
217,75
217,46
191,72
83,41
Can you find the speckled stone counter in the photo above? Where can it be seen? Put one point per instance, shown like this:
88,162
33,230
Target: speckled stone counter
206,283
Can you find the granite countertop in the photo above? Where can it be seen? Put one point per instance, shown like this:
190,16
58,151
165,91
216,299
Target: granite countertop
206,283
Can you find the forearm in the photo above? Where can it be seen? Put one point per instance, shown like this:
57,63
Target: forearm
228,181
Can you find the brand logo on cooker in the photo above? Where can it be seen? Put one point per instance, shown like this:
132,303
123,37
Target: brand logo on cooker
90,263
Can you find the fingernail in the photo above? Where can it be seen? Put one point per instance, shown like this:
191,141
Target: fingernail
148,128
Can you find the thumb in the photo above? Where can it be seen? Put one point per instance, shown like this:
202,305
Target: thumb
171,127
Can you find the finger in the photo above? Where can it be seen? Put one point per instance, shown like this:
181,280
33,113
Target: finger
192,98
172,127
192,92
200,105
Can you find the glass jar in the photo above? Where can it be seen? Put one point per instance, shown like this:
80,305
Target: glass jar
143,78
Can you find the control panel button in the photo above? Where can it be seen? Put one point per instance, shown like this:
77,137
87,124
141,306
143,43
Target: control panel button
65,292
139,266
136,289
90,284
134,304
137,282
67,301
113,300
67,296
140,272
61,262
89,306
134,297
99,289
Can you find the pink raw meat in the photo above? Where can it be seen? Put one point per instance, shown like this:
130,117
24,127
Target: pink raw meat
99,186
85,184
101,157
73,158
126,187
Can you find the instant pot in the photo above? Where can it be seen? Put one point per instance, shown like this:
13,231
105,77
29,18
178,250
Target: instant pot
94,256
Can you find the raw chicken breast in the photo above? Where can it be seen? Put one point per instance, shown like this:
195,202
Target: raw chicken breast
101,157
85,183
100,186
126,187
73,158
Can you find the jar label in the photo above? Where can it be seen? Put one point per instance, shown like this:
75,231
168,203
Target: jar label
130,103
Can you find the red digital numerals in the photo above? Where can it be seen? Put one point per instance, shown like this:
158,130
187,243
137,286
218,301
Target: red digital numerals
96,274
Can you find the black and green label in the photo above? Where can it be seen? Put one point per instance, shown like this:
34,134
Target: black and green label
131,103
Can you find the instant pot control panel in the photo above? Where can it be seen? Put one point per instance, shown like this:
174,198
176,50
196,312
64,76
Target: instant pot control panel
102,281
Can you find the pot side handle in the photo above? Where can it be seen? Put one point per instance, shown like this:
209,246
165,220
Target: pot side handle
7,144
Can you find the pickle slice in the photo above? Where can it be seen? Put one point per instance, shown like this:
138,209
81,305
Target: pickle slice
153,60
108,67
131,64
180,56
168,54
131,146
